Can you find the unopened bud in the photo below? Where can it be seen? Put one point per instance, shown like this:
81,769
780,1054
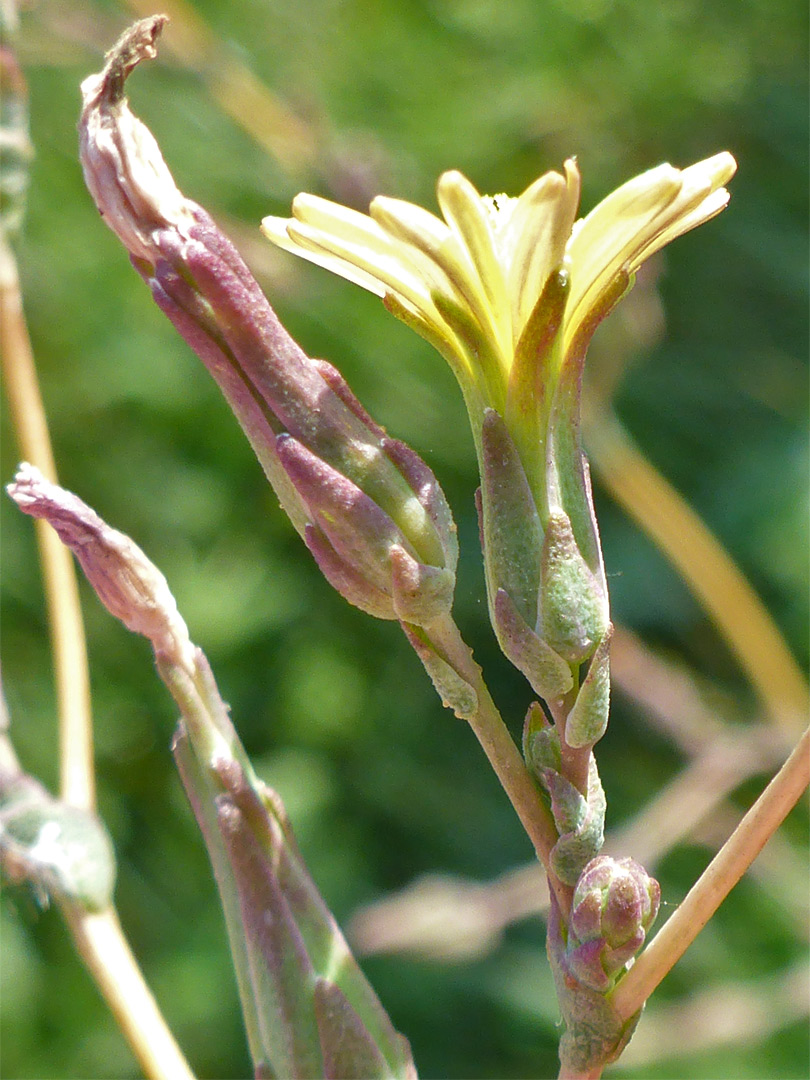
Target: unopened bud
615,904
128,584
360,549
350,491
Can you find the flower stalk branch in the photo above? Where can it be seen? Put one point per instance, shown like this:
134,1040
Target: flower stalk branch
510,291
716,882
68,647
503,755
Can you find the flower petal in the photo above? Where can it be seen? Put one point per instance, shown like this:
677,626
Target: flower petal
538,230
604,241
275,229
701,198
466,214
357,248
637,220
438,246
387,267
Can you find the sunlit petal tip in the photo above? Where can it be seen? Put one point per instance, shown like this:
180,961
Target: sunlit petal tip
378,205
335,220
719,169
303,202
717,201
275,229
545,187
386,206
453,182
708,208
649,192
316,248
571,171
573,184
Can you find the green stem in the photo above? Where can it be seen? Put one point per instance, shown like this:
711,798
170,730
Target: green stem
576,761
717,881
502,753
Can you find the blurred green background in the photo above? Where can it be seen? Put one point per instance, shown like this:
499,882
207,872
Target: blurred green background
383,785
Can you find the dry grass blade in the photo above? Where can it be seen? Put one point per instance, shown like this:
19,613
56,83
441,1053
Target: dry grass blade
738,1013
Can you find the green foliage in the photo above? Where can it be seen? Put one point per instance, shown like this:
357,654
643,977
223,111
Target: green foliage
382,785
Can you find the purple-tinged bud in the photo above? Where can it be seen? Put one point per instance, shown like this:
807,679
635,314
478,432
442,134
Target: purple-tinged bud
305,425
123,167
309,1011
615,904
128,584
358,546
580,820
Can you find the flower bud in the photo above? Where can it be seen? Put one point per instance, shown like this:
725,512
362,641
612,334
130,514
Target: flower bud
128,584
359,547
580,820
615,904
350,491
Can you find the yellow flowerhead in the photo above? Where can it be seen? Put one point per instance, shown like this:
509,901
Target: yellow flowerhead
510,291
471,280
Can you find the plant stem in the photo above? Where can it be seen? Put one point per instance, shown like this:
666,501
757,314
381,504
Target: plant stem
503,754
77,776
99,937
719,878
576,761
104,949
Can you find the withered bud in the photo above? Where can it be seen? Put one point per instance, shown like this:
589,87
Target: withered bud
317,445
123,167
129,585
